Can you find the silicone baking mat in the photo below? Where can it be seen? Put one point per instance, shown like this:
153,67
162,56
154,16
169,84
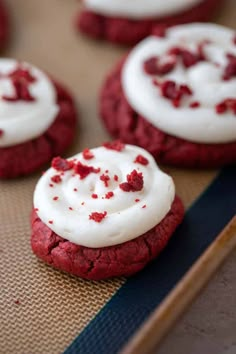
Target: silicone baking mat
43,310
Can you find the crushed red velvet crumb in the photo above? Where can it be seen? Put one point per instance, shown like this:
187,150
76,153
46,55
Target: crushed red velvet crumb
87,154
116,145
94,196
224,106
188,58
230,69
98,217
75,190
142,160
137,200
50,221
105,179
109,195
21,79
172,91
134,182
162,66
60,164
144,206
56,179
55,198
152,66
116,178
195,104
17,302
83,170
70,208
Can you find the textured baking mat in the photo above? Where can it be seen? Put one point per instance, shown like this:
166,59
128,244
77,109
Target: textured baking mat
43,310
140,295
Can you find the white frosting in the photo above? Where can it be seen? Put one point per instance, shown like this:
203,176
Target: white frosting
125,219
22,120
202,125
138,9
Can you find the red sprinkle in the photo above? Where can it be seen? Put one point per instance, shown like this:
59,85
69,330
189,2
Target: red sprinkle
221,108
87,154
55,198
1,132
170,90
137,200
224,106
109,195
105,179
116,145
230,70
142,160
51,185
194,104
56,179
75,190
70,208
50,222
116,178
60,164
83,170
188,58
134,182
98,217
94,196
21,79
152,66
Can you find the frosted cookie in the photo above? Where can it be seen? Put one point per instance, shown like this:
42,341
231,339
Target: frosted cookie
129,21
105,212
37,118
4,24
176,96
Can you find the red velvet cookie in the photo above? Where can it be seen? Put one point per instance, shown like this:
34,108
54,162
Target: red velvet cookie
129,123
83,207
22,158
101,263
4,24
126,30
